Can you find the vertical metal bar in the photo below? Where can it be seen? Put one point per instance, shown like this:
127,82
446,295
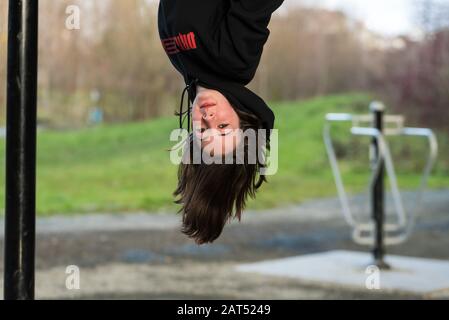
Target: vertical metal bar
378,191
21,150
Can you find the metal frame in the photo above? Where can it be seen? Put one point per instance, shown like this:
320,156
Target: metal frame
364,232
20,202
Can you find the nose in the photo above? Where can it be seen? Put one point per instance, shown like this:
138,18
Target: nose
208,113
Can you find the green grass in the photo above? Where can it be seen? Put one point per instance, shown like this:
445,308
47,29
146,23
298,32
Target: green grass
127,168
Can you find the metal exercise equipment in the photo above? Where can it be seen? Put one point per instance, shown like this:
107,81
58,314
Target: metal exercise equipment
377,231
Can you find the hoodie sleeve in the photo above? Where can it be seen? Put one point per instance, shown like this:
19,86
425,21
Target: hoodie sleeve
241,35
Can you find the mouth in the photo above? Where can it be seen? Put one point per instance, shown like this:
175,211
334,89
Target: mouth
205,106
206,103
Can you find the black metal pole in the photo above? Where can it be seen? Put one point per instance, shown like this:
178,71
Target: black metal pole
21,150
378,191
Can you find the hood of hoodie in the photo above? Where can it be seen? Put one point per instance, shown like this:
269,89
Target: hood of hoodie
218,44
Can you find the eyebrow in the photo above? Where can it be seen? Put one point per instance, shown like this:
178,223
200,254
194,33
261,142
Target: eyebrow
222,135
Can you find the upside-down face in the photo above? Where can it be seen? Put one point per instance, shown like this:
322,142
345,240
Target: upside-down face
215,123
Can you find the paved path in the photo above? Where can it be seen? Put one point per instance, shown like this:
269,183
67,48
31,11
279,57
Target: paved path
434,202
144,256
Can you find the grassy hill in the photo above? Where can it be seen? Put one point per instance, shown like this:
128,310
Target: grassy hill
126,167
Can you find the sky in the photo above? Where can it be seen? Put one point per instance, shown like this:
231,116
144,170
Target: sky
389,17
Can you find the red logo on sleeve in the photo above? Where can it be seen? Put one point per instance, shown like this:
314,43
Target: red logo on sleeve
181,42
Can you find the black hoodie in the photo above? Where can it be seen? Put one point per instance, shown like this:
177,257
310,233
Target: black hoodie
218,44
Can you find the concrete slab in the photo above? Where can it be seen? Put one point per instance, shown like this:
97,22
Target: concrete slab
352,269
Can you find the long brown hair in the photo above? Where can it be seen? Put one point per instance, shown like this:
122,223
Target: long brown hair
212,194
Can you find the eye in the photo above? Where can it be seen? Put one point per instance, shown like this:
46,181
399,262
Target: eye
223,126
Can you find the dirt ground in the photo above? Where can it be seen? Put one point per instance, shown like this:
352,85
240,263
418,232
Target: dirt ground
156,261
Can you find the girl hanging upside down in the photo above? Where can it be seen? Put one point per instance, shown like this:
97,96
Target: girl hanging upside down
217,46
